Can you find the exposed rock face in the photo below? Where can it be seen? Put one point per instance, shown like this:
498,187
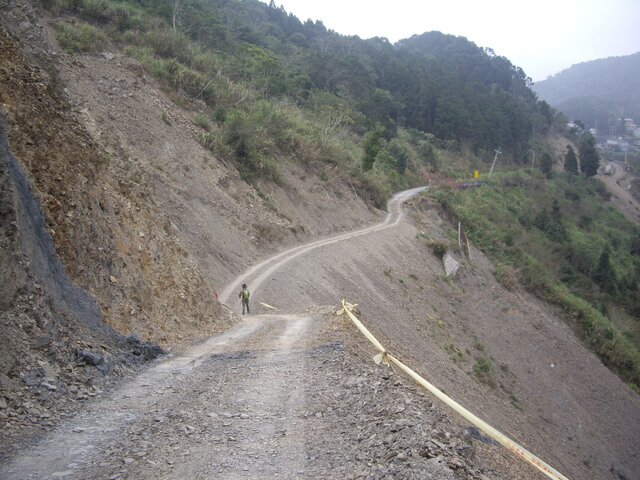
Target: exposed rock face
451,265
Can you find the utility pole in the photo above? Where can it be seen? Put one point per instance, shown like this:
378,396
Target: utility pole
175,6
498,152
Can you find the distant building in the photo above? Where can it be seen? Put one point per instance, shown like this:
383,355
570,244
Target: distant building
630,125
574,127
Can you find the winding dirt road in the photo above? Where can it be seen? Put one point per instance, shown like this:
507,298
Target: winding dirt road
248,403
618,184
225,409
256,275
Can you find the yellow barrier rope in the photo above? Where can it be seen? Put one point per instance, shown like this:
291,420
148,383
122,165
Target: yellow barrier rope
267,305
481,424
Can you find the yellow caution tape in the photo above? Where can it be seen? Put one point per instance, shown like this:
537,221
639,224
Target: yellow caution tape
362,328
481,424
350,306
267,305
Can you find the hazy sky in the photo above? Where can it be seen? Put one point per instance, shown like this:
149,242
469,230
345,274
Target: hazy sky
543,37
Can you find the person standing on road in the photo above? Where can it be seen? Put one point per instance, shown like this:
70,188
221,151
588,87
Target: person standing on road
244,296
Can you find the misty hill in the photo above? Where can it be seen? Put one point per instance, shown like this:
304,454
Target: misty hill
598,93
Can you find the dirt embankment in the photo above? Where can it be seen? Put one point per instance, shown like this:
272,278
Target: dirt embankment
143,217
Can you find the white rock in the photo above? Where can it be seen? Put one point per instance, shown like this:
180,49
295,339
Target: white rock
451,265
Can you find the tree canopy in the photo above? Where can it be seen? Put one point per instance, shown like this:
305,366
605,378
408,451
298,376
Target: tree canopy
589,158
436,83
570,161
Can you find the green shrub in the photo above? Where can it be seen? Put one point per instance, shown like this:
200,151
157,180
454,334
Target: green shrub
98,11
169,45
506,275
165,118
124,18
439,248
371,189
203,121
81,38
240,133
253,138
220,114
482,370
208,140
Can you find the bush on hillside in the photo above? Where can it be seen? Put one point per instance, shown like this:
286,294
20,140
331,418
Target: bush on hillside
439,248
80,38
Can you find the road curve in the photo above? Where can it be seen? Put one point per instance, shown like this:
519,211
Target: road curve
619,183
256,275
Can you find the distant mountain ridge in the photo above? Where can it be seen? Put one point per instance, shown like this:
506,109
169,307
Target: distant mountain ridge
598,92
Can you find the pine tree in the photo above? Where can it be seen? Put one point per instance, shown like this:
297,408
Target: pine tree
605,276
589,159
571,161
371,148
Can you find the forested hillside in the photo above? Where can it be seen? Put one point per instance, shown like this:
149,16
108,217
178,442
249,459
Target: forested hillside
435,83
598,93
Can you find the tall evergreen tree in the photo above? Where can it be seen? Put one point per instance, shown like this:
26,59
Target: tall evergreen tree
604,275
589,158
371,148
571,161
